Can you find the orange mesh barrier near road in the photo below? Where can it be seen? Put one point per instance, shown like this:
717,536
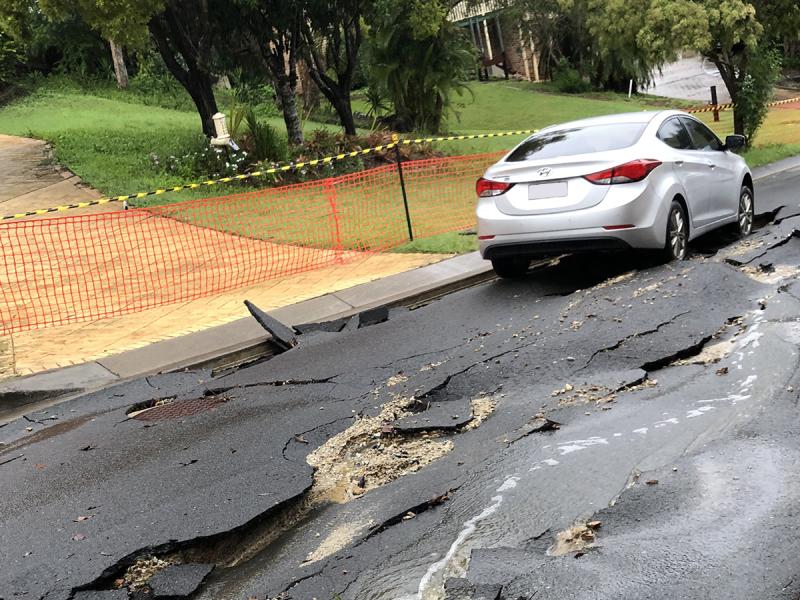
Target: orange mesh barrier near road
94,266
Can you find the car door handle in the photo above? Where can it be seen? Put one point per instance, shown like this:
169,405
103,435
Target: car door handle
711,165
678,163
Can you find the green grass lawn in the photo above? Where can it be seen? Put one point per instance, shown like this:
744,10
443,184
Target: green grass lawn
109,141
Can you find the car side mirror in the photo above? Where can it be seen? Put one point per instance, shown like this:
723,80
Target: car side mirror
735,142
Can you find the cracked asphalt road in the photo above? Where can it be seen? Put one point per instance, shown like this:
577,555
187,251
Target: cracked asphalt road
455,442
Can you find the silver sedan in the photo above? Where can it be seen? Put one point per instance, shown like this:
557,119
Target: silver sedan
651,180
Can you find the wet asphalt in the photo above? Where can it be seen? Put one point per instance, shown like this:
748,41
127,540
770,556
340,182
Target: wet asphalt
85,490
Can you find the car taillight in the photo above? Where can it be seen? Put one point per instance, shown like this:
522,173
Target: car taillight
487,188
636,170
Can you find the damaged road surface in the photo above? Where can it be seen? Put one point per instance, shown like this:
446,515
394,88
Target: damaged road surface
604,428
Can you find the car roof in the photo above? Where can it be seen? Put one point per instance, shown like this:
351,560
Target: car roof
631,117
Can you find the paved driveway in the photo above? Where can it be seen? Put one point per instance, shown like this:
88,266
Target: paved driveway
689,79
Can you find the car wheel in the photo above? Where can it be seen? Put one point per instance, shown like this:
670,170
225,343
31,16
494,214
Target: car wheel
510,267
677,233
746,211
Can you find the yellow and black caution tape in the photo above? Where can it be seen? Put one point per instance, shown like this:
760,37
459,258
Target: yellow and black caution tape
255,174
730,105
711,108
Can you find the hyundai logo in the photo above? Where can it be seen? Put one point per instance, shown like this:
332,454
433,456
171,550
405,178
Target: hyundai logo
544,172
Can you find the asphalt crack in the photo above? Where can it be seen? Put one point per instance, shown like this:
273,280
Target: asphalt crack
737,263
627,338
274,383
295,437
683,353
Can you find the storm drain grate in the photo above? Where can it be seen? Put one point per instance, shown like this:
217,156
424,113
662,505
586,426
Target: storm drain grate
176,410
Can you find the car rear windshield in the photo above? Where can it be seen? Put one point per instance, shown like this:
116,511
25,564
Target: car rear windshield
578,140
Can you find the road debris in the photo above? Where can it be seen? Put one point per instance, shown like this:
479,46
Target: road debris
360,455
139,573
576,539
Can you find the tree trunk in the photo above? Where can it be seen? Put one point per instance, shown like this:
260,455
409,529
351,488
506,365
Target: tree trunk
344,109
178,48
201,90
288,102
339,97
729,76
738,122
120,70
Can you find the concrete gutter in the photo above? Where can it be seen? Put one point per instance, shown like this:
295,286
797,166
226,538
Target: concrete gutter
244,339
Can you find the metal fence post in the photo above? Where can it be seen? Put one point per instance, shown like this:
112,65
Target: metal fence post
403,188
714,102
330,189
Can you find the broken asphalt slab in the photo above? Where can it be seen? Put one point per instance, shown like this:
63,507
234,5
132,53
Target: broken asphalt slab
280,334
437,416
178,581
461,589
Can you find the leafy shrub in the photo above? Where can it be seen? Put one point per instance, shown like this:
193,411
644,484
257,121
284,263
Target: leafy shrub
261,96
568,80
264,140
205,162
757,90
159,89
10,60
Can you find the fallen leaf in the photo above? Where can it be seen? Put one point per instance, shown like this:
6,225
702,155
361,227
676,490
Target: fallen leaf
29,429
722,371
409,515
82,518
78,537
40,466
594,524
569,387
301,439
651,481
87,448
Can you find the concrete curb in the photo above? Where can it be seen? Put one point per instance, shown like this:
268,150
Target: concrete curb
777,167
243,337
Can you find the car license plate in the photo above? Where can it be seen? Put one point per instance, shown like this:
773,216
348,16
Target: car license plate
554,189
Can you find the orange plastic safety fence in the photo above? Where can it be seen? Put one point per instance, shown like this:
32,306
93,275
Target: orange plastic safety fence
95,266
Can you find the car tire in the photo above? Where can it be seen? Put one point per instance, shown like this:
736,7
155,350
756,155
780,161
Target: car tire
511,267
744,220
676,246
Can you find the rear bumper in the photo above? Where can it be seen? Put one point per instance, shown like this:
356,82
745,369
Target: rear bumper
585,230
554,247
